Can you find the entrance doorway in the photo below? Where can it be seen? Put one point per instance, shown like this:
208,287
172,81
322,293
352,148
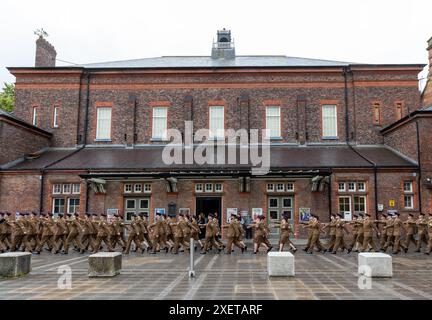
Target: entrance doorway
208,205
277,207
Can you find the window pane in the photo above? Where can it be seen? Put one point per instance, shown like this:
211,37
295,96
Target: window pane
144,204
360,204
287,203
344,204
273,121
274,214
270,187
329,120
73,205
290,186
130,204
58,205
55,117
103,128
160,122
216,121
273,203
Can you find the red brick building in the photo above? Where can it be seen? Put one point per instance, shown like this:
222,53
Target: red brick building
345,137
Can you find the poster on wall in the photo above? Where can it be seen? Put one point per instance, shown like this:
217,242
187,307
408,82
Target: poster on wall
256,212
230,212
304,214
347,216
159,211
110,214
184,211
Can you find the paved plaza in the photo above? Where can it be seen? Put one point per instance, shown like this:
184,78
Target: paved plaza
221,276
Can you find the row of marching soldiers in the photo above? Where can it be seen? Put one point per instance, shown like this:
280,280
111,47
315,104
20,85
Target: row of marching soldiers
33,232
389,229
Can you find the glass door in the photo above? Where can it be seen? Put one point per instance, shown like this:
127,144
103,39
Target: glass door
277,207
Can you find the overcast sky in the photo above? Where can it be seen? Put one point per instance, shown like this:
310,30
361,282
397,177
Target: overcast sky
83,31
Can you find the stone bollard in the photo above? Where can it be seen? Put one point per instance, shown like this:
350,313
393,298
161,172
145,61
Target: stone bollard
105,264
375,264
280,264
15,264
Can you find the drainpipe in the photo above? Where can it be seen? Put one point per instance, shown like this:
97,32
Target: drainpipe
420,168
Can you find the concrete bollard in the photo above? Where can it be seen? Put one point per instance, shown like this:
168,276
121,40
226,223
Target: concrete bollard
375,264
280,264
15,264
105,264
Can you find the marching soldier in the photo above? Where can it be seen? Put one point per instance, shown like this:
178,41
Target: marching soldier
60,233
429,228
332,232
360,233
134,234
368,228
316,230
233,235
285,231
3,246
397,230
47,233
354,232
410,226
340,228
196,231
118,237
421,224
260,230
310,231
74,229
381,223
209,239
104,232
389,233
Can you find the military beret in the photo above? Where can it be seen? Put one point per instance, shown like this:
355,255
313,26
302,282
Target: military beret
384,215
116,215
361,214
422,214
60,214
88,214
397,213
210,215
2,220
340,215
94,214
69,214
355,215
76,214
181,215
145,214
368,214
103,215
133,215
410,214
50,214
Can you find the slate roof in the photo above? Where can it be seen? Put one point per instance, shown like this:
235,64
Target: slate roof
150,158
208,62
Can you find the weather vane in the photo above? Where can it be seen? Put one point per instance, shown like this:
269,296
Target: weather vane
41,32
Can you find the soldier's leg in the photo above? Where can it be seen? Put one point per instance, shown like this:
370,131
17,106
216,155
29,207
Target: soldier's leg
383,240
331,243
176,245
128,244
229,245
336,244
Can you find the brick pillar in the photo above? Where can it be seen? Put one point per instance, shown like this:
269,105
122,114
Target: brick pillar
244,112
131,120
301,120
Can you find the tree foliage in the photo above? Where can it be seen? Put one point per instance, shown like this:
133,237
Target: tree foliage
7,97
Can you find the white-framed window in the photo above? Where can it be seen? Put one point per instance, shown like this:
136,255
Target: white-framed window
280,187
147,187
198,187
216,122
138,188
361,186
290,186
73,205
341,186
408,201
57,188
360,204
273,121
218,187
160,123
58,205
408,186
66,188
351,186
344,204
55,117
270,187
208,187
329,121
103,124
35,116
128,188
76,188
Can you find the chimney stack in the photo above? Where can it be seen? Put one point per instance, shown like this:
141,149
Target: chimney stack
45,53
429,49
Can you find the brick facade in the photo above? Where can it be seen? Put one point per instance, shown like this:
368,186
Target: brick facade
244,92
